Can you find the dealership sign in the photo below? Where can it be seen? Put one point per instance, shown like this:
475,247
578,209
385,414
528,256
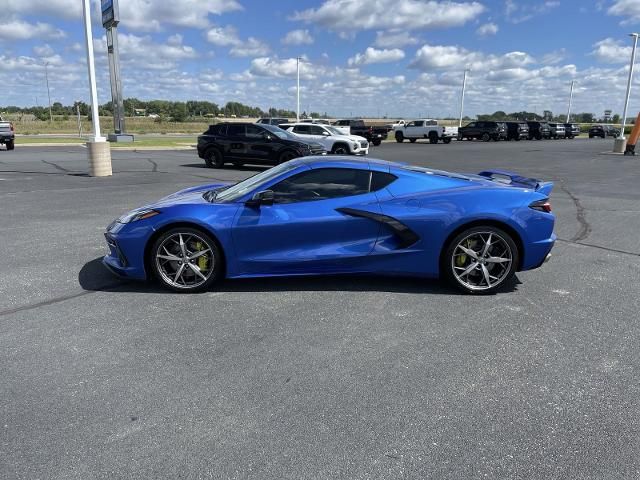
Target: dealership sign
110,14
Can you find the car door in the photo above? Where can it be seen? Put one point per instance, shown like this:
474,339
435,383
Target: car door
469,130
304,230
257,144
414,129
235,142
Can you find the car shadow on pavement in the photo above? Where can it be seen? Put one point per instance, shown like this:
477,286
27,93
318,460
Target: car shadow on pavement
96,277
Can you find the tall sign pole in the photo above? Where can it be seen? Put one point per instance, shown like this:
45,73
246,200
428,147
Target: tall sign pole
98,149
570,100
298,90
464,87
110,20
628,94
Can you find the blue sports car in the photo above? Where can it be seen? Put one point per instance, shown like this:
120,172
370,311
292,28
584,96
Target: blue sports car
335,215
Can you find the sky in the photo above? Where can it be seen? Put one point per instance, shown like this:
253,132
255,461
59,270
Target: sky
396,58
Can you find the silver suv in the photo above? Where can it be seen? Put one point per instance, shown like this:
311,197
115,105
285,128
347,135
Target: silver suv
557,130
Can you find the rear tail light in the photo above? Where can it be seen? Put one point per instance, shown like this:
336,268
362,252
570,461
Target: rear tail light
541,205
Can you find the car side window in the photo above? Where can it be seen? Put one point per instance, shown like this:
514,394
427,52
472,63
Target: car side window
411,124
419,123
315,130
255,132
471,125
322,184
379,180
303,129
235,130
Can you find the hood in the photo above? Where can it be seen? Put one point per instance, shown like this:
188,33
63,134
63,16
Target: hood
190,195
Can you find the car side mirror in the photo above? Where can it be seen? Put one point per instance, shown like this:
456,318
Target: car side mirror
268,137
265,197
326,134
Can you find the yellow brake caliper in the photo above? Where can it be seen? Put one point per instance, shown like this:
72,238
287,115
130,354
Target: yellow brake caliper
202,259
462,259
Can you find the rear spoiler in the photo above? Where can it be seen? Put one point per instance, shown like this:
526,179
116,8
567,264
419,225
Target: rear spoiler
512,178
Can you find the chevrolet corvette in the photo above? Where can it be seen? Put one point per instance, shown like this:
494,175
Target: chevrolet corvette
339,215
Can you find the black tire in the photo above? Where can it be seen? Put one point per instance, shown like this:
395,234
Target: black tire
193,237
11,144
286,156
213,158
399,137
413,140
433,138
446,140
376,143
538,136
486,137
460,138
448,260
340,149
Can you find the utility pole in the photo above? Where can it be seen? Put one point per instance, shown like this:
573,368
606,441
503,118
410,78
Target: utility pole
298,90
570,100
79,122
626,101
464,87
46,76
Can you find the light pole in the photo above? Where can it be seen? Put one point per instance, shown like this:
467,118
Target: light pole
46,76
464,87
98,149
570,100
626,101
298,90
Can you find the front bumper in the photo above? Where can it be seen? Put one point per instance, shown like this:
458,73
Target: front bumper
126,252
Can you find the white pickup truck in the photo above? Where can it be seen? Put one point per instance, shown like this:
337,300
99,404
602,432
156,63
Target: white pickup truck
424,128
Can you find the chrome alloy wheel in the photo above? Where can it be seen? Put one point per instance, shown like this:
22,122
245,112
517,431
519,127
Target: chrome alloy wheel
185,260
481,261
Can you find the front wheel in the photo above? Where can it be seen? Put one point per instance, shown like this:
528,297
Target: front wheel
486,137
480,259
11,145
186,260
399,137
340,149
286,156
376,143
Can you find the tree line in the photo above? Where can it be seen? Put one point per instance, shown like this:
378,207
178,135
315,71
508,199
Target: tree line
162,109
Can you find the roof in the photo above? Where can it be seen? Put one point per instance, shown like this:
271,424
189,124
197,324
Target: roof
346,160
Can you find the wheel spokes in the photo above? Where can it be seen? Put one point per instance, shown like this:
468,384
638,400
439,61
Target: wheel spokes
481,260
185,260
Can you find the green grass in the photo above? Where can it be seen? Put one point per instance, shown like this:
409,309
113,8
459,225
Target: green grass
141,143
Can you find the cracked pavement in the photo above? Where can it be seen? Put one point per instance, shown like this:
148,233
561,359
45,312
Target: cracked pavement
360,378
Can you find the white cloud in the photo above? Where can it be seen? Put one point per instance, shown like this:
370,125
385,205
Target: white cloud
611,51
16,29
298,37
394,39
448,57
43,50
353,15
372,55
228,37
517,13
487,29
276,67
626,8
139,15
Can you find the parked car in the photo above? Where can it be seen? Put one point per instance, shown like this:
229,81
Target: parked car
425,128
272,121
571,130
557,130
483,130
241,143
330,138
337,215
539,130
7,134
603,131
517,131
373,134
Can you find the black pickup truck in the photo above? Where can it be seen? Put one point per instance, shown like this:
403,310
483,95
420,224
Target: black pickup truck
374,135
7,134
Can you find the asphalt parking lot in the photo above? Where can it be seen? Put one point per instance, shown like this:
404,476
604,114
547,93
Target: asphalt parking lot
353,378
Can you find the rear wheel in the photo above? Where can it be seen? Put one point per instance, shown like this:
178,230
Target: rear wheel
213,158
480,260
399,137
433,138
11,144
186,260
486,137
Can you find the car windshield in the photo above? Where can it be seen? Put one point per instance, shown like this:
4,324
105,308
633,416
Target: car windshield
280,133
334,131
239,189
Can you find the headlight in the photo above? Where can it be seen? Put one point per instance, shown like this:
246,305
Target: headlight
136,215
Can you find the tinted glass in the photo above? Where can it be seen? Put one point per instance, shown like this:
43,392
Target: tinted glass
304,129
254,132
379,180
315,130
235,130
419,123
322,184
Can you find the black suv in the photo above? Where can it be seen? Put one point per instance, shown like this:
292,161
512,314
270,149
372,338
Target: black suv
517,130
272,120
539,130
603,131
241,143
483,130
571,130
